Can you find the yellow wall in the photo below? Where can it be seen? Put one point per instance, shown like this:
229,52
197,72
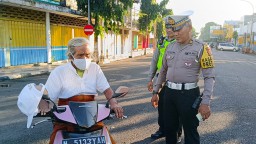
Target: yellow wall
60,35
4,34
27,34
79,32
22,34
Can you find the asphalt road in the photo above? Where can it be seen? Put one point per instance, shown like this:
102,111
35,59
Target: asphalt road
233,105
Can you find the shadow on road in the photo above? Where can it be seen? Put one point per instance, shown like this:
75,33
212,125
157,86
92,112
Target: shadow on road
150,141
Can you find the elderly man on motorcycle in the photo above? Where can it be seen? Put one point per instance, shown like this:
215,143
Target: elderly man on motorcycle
78,80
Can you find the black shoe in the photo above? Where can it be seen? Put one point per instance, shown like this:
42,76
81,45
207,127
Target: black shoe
179,139
157,135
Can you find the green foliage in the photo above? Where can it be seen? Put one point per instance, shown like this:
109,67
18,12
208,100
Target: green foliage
235,36
160,22
152,12
111,12
162,7
149,11
160,29
166,12
194,33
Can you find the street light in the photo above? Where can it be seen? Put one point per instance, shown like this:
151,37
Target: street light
251,35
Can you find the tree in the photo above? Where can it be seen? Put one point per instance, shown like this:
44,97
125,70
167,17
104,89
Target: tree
205,31
235,36
229,32
160,29
149,11
110,12
160,20
194,33
152,13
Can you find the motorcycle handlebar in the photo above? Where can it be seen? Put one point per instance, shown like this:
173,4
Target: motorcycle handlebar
54,109
63,109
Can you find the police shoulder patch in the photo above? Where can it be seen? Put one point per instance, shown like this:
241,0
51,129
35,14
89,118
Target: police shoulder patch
207,58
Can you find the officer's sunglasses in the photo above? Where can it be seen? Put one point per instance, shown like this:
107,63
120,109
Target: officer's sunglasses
168,26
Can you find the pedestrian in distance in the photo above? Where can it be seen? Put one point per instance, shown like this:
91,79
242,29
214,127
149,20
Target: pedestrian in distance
75,80
182,63
156,65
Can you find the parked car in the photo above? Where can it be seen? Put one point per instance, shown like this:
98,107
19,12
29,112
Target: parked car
240,46
213,45
227,46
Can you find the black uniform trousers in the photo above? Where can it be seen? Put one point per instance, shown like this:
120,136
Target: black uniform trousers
160,109
161,114
178,108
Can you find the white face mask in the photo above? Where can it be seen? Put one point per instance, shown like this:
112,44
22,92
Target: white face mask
82,64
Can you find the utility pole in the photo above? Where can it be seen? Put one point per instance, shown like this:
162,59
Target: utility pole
130,33
89,18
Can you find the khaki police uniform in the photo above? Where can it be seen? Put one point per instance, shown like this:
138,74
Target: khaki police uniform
156,64
181,68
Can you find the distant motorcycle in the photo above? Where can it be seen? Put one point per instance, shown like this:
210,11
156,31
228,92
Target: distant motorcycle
83,115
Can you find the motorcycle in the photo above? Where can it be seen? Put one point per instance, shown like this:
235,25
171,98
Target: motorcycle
83,116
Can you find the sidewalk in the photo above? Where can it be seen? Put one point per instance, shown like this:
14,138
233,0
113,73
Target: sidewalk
15,72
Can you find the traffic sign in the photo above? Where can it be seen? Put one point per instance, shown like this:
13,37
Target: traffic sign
88,30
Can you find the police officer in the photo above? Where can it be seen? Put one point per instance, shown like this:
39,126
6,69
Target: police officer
182,63
156,65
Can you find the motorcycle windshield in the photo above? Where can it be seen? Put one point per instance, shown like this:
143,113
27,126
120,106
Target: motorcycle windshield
85,113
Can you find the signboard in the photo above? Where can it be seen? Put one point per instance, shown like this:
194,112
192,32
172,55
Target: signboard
88,30
218,32
215,31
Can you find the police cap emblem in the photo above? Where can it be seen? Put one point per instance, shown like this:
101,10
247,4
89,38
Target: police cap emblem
171,21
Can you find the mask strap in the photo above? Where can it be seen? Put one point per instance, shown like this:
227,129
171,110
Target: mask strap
72,55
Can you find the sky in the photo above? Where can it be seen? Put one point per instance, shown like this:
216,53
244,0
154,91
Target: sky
213,10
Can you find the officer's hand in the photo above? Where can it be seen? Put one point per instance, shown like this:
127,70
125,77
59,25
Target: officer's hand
154,100
205,111
150,86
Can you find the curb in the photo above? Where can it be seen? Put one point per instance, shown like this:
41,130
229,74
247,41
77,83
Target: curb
22,75
32,73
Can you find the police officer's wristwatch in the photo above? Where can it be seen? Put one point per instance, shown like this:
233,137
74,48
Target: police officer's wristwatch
154,92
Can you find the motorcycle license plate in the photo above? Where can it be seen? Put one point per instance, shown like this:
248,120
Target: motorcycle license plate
85,140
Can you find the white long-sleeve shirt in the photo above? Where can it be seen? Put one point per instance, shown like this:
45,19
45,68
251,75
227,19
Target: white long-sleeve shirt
64,82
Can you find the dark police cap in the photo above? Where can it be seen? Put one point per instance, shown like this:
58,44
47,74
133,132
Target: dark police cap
178,21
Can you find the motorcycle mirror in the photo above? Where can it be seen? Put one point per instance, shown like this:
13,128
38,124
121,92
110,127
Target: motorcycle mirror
120,92
122,89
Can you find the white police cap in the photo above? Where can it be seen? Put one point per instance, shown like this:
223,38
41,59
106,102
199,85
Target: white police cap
179,20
